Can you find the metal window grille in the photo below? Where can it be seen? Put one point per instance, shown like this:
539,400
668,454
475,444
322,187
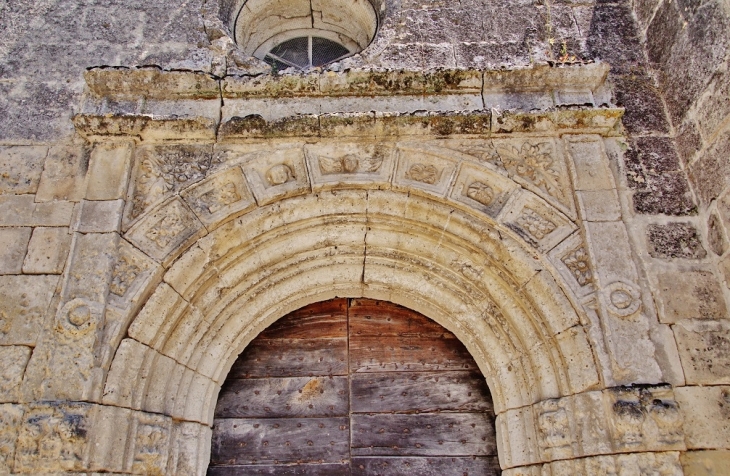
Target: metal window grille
305,52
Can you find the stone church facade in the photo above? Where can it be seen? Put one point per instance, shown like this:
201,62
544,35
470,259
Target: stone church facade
547,180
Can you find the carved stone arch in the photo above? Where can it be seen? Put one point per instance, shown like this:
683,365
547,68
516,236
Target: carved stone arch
466,271
505,229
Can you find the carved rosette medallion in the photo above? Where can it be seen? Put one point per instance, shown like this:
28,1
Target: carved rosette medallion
425,173
579,264
480,192
622,299
534,224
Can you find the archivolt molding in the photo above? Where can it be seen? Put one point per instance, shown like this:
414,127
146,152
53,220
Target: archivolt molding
487,223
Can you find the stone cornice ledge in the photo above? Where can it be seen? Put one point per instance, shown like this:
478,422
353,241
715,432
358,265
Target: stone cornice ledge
602,121
152,83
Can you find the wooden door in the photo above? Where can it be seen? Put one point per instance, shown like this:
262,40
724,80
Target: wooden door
355,387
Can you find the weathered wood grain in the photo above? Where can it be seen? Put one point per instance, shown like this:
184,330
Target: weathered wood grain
291,358
379,318
283,397
318,321
402,388
387,353
331,469
420,392
280,440
424,466
443,434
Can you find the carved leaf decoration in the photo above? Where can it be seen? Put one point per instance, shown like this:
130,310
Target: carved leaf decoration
371,164
480,192
534,164
329,165
423,173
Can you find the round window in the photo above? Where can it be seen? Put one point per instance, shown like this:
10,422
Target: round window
303,33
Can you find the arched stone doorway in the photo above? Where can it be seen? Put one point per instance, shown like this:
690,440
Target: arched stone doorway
354,386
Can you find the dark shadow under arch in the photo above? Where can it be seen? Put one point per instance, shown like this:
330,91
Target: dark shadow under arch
354,386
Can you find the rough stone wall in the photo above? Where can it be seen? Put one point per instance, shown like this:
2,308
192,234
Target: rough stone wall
62,201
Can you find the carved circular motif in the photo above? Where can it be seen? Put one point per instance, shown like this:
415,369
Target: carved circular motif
622,299
279,174
78,316
480,192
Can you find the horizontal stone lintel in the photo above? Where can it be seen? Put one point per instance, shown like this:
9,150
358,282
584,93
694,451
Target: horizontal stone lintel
153,83
601,121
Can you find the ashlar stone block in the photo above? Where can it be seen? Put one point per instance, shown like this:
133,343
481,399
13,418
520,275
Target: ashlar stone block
109,171
10,418
47,251
706,416
13,360
64,173
704,350
21,210
100,216
706,463
24,307
53,438
689,294
21,168
14,246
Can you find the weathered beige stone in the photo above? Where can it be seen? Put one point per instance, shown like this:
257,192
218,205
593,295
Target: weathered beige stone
706,416
100,216
166,230
704,349
665,464
21,168
599,205
424,170
277,174
221,196
10,420
21,210
706,463
538,223
350,165
539,166
53,438
64,173
12,251
24,307
482,188
689,294
591,171
47,251
13,360
109,168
